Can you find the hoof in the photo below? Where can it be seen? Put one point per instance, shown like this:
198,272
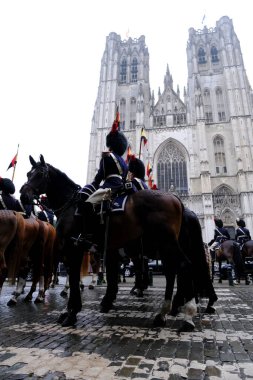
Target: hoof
210,310
91,287
174,312
106,306
64,294
138,293
70,320
220,281
82,287
39,300
62,317
159,321
28,298
12,302
186,327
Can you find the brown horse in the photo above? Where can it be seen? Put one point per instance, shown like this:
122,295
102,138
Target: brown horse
229,251
8,228
32,247
155,216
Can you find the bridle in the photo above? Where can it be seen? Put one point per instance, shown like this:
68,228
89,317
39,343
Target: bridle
44,171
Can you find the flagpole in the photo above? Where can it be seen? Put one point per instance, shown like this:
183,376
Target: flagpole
14,169
140,149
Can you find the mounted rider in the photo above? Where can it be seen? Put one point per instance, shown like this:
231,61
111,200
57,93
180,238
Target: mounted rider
220,234
42,210
242,233
112,174
8,200
136,174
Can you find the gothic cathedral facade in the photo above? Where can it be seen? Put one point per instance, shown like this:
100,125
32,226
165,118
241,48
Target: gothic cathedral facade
200,147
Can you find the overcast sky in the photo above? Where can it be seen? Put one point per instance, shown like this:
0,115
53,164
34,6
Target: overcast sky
50,65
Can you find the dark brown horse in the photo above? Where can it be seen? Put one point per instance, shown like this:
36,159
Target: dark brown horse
155,216
229,251
247,254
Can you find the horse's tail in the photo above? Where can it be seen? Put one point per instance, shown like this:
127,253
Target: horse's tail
85,265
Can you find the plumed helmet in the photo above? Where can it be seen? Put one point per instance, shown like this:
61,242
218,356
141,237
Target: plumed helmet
240,222
116,141
218,223
7,186
136,166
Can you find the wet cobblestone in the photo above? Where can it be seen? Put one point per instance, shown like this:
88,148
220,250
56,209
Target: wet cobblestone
123,344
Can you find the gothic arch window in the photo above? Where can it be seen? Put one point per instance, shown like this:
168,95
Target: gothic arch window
214,54
134,70
172,169
132,113
201,55
207,106
123,70
122,112
220,104
219,155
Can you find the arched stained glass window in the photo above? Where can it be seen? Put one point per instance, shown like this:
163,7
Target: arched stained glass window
123,70
214,54
122,112
134,70
132,113
201,55
219,155
220,105
172,169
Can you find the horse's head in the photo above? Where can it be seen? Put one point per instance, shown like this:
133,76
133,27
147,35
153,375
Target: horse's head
37,181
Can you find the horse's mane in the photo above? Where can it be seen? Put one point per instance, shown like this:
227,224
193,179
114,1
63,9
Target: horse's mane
62,177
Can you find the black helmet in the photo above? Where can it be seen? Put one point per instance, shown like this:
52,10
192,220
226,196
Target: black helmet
136,166
7,186
218,222
117,142
240,222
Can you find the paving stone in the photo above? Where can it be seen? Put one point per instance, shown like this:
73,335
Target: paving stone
123,344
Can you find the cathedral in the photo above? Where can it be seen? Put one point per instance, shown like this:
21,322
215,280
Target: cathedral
200,147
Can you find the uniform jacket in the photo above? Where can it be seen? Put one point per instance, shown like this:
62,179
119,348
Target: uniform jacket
9,202
112,170
242,234
139,184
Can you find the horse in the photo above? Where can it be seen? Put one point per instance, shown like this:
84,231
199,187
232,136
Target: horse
9,225
229,251
247,254
153,215
32,247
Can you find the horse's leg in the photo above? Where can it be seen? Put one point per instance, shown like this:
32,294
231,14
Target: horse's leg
74,303
19,289
220,276
3,276
112,266
41,295
64,292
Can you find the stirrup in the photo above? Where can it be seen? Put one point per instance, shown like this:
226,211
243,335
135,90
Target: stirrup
81,242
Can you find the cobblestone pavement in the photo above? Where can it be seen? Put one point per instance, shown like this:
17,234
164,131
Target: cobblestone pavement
123,344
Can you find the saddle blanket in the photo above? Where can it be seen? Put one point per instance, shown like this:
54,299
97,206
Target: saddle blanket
119,203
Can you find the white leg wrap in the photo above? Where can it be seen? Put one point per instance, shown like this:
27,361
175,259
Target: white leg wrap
20,285
166,308
41,284
190,310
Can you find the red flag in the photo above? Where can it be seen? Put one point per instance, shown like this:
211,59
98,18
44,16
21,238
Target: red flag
129,154
149,169
116,123
143,136
13,162
150,180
